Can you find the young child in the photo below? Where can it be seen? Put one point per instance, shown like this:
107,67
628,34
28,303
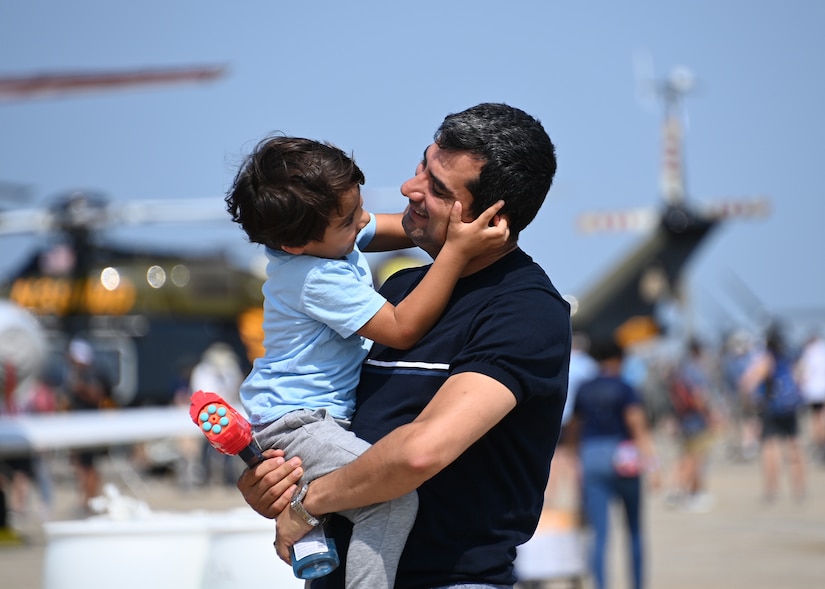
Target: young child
301,199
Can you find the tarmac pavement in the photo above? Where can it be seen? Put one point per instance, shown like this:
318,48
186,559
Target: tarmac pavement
741,542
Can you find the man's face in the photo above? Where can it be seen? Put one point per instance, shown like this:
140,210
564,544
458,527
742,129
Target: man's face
440,179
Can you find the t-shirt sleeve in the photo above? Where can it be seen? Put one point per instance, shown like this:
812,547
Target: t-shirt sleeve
524,346
334,295
631,396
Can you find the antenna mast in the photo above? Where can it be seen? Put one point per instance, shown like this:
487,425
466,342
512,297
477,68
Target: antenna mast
672,180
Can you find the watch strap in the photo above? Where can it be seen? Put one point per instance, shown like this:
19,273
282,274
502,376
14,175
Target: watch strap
298,507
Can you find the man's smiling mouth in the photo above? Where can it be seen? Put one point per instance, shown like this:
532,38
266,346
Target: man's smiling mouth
417,212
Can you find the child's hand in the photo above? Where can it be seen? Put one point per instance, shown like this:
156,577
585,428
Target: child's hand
488,232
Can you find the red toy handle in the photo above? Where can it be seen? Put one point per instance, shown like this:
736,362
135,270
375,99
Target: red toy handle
226,429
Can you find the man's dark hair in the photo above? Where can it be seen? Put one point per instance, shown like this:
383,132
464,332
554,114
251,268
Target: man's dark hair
606,349
519,158
288,188
775,341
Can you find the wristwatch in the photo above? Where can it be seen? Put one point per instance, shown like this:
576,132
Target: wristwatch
298,507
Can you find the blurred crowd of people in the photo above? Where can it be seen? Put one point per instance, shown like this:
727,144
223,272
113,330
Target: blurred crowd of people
81,382
753,400
76,384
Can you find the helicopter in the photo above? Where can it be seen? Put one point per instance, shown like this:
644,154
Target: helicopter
148,313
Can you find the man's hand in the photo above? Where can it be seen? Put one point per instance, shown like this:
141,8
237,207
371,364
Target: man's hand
290,528
267,487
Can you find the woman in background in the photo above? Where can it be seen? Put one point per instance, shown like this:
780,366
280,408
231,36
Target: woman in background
615,450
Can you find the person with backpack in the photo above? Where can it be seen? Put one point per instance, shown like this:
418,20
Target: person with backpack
690,397
770,381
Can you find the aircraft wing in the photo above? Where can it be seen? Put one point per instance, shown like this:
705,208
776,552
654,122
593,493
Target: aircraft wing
25,434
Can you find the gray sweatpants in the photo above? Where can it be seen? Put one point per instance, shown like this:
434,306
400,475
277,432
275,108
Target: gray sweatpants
379,531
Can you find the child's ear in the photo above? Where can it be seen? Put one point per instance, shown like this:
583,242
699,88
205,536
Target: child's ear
295,251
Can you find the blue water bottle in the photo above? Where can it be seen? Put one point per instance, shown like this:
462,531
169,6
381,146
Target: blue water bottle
314,555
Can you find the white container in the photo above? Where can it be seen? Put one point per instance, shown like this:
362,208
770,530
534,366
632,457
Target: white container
198,550
241,553
551,556
159,551
556,552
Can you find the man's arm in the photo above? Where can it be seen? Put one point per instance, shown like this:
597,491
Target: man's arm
636,420
758,370
466,407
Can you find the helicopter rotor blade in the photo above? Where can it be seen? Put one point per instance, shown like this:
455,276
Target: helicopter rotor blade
81,214
22,221
738,208
194,210
641,219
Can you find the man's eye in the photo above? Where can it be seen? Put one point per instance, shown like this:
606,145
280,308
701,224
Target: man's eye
438,193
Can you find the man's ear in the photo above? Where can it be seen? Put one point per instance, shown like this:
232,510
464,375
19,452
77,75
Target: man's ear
295,251
497,219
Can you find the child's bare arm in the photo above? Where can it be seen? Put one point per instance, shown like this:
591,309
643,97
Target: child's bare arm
400,326
389,234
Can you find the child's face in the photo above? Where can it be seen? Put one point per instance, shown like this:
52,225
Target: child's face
339,237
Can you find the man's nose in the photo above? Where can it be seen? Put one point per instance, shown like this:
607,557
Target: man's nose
414,187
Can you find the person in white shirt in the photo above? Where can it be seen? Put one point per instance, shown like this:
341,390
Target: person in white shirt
812,383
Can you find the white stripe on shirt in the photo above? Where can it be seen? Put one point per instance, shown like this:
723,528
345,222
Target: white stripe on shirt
401,364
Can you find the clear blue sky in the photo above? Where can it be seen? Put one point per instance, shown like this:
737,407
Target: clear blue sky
377,77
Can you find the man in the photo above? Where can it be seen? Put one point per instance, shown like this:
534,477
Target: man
85,388
470,415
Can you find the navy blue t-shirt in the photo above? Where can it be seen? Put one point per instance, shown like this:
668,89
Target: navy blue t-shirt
507,322
600,404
